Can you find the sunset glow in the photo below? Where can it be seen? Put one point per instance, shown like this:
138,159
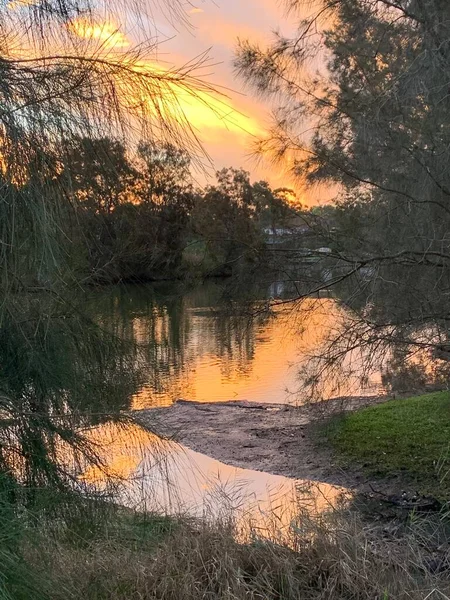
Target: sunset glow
107,33
227,123
226,118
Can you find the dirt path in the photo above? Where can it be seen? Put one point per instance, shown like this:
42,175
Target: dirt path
264,437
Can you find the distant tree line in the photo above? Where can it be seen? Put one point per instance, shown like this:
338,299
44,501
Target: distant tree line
140,216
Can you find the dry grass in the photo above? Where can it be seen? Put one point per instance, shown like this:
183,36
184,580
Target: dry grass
337,557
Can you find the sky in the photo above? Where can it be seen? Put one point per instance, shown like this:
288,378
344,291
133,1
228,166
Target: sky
215,26
212,28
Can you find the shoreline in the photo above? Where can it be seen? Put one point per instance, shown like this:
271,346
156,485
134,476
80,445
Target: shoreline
275,438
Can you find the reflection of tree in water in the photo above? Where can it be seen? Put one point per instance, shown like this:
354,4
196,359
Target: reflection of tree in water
235,339
375,331
149,323
407,331
58,373
203,343
172,327
407,371
329,364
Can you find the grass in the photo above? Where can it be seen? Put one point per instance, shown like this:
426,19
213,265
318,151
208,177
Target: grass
334,557
84,549
408,437
209,563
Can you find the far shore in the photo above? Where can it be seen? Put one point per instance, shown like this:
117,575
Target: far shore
275,438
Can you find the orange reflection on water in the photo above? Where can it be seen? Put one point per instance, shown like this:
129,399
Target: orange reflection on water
120,449
169,478
258,362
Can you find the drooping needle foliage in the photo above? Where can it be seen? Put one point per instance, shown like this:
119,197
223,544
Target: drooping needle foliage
67,73
362,106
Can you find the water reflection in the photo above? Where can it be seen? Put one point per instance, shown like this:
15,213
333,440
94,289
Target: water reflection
202,345
171,479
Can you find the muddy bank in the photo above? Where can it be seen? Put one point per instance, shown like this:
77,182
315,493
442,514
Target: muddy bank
265,437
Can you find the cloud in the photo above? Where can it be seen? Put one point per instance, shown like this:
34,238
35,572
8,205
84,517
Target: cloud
16,4
226,33
226,126
108,33
212,114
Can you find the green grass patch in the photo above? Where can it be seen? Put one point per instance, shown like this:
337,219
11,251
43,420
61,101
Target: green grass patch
408,437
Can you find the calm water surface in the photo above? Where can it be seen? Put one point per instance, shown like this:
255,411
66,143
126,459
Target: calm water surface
172,479
203,344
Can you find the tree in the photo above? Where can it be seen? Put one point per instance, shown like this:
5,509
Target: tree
101,175
224,216
377,112
59,87
273,206
167,178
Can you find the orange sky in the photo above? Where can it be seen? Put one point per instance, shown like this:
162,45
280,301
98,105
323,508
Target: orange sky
228,130
234,121
217,24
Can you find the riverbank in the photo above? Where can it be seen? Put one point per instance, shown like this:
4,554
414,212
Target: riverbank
372,445
274,438
95,550
75,547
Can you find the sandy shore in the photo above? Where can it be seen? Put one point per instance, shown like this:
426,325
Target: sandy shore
264,437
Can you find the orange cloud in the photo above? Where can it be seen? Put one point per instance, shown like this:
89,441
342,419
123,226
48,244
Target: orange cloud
211,114
225,126
107,33
195,11
16,4
227,33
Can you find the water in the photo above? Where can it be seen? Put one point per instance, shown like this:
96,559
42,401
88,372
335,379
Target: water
203,345
172,479
153,345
